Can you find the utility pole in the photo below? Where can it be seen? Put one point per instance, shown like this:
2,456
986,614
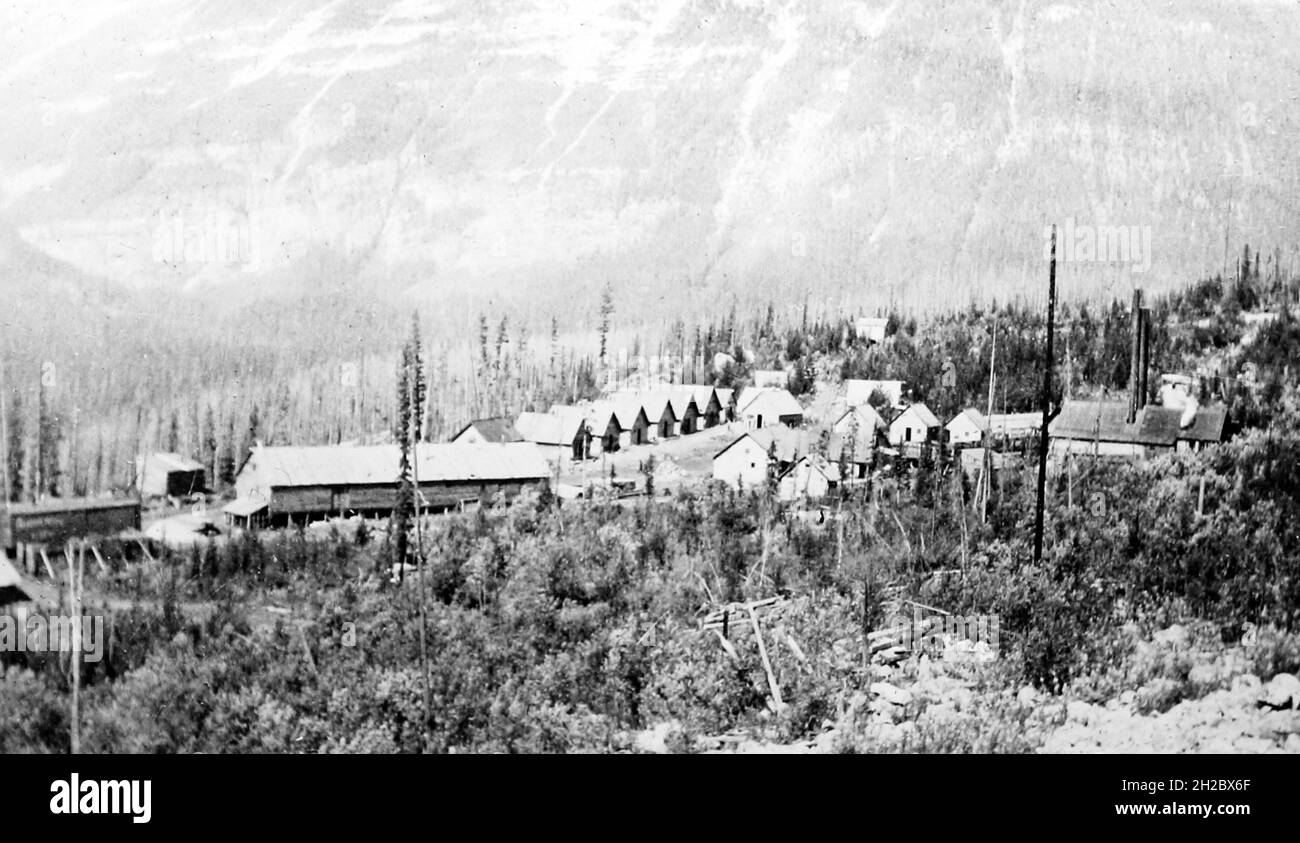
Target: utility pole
408,430
986,469
1047,405
75,577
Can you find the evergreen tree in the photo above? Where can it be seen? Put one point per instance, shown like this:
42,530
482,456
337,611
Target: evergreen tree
174,434
208,446
606,311
226,462
49,430
418,386
17,448
405,504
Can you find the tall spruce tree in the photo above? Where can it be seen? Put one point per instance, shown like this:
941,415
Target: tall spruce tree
404,505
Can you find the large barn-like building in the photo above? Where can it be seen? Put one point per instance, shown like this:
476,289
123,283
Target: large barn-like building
278,485
1102,428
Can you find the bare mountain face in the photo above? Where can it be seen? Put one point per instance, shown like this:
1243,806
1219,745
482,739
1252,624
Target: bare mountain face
684,150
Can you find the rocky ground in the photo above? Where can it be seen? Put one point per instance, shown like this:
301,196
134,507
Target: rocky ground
1191,699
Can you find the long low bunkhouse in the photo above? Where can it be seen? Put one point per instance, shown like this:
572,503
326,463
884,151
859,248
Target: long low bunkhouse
25,527
280,485
1102,428
970,428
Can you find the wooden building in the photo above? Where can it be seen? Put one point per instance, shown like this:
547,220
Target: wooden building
857,391
27,527
862,417
739,464
811,477
708,404
278,485
633,423
606,431
167,475
558,430
11,584
966,428
727,400
659,411
744,463
912,428
760,408
1102,429
870,328
771,378
685,410
479,431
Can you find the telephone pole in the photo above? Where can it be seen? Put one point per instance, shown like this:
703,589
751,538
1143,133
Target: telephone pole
1047,405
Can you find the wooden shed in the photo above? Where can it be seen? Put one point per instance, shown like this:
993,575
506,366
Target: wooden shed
170,475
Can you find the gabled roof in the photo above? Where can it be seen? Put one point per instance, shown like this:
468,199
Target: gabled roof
11,584
772,403
175,462
682,400
725,396
1103,421
600,416
1107,421
790,443
627,409
971,415
858,391
828,469
551,428
861,451
777,378
921,412
656,403
495,429
759,437
869,418
703,395
1210,425
1004,424
345,465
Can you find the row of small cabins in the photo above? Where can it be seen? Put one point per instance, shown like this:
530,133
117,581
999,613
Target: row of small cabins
644,417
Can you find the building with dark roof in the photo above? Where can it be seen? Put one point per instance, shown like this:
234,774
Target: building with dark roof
170,475
1102,428
497,429
55,521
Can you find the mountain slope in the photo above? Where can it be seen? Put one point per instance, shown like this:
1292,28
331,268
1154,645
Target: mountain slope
684,150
